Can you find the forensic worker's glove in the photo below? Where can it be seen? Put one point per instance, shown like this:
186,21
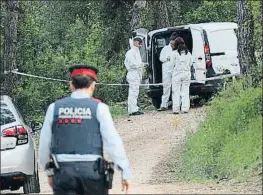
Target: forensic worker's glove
146,65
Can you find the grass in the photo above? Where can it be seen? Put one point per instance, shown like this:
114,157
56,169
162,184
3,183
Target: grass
229,143
117,111
242,153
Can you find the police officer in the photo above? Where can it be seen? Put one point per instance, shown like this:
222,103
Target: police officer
75,130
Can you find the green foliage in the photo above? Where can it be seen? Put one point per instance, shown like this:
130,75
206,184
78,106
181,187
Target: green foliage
2,15
257,15
243,152
214,11
231,138
202,11
54,35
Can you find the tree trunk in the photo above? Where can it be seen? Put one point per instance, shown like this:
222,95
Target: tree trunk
245,34
10,44
136,17
159,13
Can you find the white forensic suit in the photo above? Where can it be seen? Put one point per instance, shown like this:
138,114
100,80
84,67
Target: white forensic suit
167,70
134,66
181,81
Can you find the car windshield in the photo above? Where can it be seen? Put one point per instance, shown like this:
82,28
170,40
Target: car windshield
6,116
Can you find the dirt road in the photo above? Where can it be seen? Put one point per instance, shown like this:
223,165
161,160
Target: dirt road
149,140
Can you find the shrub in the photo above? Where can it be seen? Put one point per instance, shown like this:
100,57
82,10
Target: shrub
231,138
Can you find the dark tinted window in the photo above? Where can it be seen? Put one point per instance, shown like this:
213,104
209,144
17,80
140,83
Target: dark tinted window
6,116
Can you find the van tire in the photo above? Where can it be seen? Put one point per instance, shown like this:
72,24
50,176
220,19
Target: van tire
156,101
206,97
15,187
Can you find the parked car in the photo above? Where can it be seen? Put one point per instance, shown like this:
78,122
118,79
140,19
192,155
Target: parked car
214,49
19,167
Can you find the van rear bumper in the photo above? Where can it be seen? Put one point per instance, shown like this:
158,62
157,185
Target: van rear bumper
199,89
209,87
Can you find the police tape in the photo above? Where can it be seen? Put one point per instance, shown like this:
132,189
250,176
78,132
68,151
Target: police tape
124,84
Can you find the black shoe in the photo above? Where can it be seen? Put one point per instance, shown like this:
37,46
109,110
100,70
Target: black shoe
136,113
162,109
185,112
175,112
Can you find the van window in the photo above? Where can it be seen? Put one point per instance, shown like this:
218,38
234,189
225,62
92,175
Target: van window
220,41
143,51
161,43
6,116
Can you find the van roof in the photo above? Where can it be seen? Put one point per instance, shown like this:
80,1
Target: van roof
5,97
210,26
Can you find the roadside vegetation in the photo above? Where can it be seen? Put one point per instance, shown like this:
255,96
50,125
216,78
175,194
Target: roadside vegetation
229,143
117,111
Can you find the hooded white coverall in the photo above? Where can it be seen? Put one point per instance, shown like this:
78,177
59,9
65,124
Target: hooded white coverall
134,65
167,70
181,81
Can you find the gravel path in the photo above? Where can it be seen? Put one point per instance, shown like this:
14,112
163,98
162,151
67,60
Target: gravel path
149,140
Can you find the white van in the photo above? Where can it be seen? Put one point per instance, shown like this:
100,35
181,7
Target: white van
214,49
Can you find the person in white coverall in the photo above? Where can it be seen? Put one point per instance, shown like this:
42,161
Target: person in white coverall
134,66
181,80
167,70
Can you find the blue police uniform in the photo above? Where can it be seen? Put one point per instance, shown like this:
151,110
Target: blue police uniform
76,129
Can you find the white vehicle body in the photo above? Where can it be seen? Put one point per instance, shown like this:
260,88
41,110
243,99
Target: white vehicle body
18,150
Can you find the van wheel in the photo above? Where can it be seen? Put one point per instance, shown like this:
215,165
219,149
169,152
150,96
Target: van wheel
31,184
206,97
197,101
15,187
156,101
225,82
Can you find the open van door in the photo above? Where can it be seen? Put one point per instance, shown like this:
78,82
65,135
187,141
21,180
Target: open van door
143,34
198,54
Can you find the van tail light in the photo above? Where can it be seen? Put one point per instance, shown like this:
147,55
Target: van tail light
19,132
208,57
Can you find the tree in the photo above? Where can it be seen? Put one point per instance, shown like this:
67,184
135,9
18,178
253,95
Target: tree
115,20
245,34
159,14
136,21
10,43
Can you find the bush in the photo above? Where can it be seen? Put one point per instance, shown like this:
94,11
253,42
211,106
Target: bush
230,141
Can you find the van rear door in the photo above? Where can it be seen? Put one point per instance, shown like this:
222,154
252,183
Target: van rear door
143,34
198,54
223,49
